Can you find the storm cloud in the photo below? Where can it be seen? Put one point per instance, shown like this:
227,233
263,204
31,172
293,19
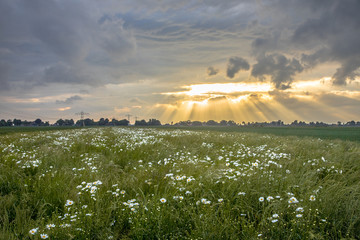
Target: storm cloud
336,31
60,42
235,65
69,100
281,69
211,71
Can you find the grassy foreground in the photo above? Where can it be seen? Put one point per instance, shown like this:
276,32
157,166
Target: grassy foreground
128,183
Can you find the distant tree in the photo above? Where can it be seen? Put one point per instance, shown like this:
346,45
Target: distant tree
9,123
140,123
231,123
60,122
17,122
212,123
351,123
124,122
3,123
196,123
69,122
103,122
154,122
114,122
294,123
38,122
223,123
183,123
89,122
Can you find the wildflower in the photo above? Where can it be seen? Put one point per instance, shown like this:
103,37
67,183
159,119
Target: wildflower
188,193
69,202
269,198
299,215
274,220
98,182
275,215
33,231
255,164
241,193
261,199
299,209
220,200
48,226
293,200
312,198
122,192
163,200
44,236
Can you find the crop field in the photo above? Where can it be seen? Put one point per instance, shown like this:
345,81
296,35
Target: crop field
148,183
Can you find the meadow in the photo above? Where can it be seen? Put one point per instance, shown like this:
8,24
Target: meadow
153,183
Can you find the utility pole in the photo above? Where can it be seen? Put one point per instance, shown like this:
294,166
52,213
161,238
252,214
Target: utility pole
136,118
82,114
128,116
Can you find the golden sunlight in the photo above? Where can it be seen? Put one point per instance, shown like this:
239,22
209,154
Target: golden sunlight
224,88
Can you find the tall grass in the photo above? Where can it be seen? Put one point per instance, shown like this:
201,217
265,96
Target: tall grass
127,183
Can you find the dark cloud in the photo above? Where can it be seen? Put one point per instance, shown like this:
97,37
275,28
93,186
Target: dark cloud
69,100
4,69
63,73
235,65
261,46
281,69
59,42
211,71
336,31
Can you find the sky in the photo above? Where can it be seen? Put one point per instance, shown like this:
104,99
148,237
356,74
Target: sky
180,60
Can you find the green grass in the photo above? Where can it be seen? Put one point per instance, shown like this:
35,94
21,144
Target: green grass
342,133
9,130
213,183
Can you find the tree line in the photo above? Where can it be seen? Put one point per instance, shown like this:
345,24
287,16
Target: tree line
155,122
278,123
83,122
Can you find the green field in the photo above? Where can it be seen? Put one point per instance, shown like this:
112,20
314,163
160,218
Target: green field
343,133
165,183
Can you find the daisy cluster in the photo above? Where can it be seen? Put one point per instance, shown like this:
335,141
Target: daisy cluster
208,177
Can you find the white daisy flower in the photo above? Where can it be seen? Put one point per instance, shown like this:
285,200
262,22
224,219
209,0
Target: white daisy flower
69,202
44,236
